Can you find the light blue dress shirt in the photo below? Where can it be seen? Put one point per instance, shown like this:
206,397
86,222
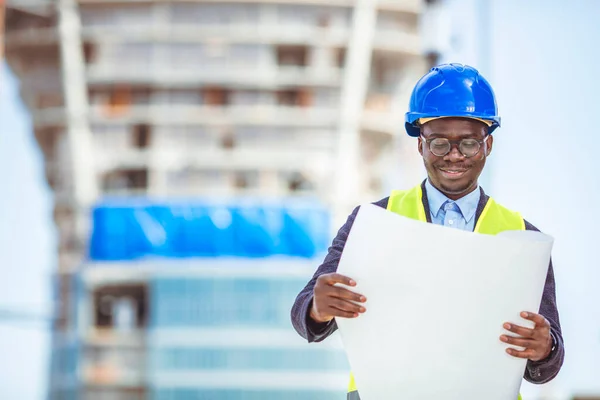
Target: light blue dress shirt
459,214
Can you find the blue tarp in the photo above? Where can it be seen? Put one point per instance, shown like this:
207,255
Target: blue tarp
131,230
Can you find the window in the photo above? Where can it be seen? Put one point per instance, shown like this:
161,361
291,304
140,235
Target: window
292,56
340,57
325,97
44,58
95,95
324,20
241,358
178,97
247,97
119,100
295,97
126,179
287,97
386,73
397,21
184,13
47,138
245,179
223,302
244,57
305,98
170,393
131,55
63,290
185,97
190,180
340,17
121,16
122,306
66,359
228,140
178,138
298,16
378,102
432,58
248,135
297,182
375,184
49,100
101,393
213,14
187,55
90,53
21,19
216,96
111,137
141,95
95,16
133,15
141,136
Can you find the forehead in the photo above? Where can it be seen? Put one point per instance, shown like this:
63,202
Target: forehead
455,127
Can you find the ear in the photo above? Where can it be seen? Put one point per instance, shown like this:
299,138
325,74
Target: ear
420,145
488,145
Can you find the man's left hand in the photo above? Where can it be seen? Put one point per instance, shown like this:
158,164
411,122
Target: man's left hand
537,342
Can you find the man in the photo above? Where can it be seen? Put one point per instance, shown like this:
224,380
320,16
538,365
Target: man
453,113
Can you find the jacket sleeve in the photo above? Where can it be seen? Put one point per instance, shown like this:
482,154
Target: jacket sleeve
304,325
543,371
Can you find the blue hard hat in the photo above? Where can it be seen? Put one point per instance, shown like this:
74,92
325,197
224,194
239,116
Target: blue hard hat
452,90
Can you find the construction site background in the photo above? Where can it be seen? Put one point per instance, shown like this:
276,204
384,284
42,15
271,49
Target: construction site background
174,173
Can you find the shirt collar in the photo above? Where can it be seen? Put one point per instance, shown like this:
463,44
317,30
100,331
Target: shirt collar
467,204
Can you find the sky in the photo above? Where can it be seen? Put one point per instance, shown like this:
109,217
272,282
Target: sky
27,256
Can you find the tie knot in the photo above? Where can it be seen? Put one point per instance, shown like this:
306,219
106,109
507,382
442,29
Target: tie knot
450,206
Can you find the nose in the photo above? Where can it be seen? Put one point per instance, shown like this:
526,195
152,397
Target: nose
454,155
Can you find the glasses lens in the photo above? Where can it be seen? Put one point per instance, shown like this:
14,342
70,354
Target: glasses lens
469,147
439,147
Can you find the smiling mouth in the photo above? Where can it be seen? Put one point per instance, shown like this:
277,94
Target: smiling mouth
452,173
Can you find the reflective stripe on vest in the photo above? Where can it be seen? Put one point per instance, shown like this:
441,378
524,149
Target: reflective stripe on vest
493,219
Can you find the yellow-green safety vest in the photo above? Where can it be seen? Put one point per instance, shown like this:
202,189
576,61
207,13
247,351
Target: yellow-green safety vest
493,220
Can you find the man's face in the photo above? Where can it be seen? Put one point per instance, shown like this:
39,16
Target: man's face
454,174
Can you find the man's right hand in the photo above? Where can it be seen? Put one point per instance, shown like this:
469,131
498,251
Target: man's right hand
332,301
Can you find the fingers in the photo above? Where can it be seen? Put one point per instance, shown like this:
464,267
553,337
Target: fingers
542,326
332,279
535,342
324,287
346,294
336,313
527,353
516,341
347,306
331,301
341,308
539,320
519,330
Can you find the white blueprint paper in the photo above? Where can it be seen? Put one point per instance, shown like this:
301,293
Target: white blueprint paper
436,302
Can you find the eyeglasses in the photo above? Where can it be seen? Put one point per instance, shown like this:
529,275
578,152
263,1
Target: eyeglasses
441,146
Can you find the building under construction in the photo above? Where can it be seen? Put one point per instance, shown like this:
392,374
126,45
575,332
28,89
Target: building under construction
276,109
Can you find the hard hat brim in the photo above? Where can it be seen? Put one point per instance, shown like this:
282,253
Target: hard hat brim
414,120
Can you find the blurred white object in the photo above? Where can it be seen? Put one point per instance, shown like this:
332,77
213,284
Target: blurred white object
124,318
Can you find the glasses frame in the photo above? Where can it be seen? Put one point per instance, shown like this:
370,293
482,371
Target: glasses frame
453,143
